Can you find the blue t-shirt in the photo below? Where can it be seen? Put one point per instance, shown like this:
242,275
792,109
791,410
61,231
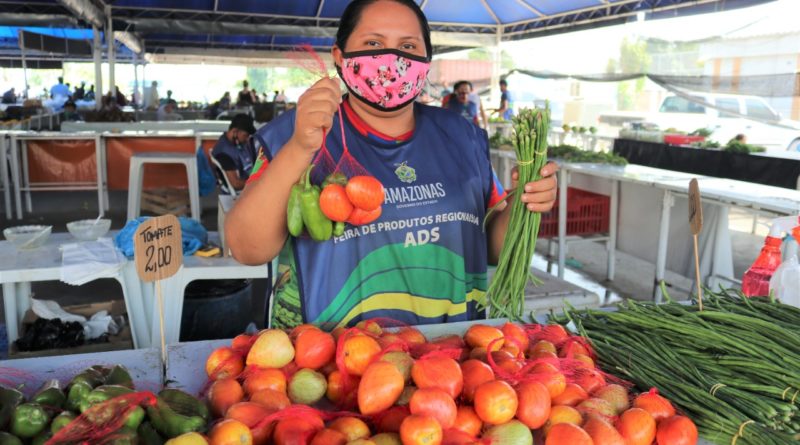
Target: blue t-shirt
468,111
234,157
59,89
509,98
425,259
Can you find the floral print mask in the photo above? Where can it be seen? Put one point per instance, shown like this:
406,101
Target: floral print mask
386,79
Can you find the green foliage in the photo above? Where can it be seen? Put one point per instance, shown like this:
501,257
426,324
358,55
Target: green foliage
734,146
506,61
705,132
497,140
571,153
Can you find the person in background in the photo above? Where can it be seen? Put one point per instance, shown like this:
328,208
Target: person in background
80,91
120,98
234,152
71,112
10,96
506,110
246,97
59,89
473,97
281,97
168,99
445,94
167,112
225,101
89,94
275,96
459,102
740,138
152,97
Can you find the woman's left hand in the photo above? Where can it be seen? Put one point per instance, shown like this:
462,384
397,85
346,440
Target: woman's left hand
539,195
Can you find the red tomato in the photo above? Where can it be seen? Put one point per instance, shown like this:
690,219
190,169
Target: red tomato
360,217
334,203
365,192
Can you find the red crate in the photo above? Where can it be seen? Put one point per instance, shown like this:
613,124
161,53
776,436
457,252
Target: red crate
587,213
682,139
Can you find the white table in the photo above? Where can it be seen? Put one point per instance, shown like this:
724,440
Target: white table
720,192
19,268
4,158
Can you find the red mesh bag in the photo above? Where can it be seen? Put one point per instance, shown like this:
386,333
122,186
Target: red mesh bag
102,423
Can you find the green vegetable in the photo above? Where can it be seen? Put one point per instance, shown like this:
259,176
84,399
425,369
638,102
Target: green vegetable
105,393
338,228
9,400
124,436
506,294
81,385
50,395
9,439
170,423
184,403
571,153
119,375
61,420
148,435
294,211
318,225
735,146
42,438
29,419
335,178
737,361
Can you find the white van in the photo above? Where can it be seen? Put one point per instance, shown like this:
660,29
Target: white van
684,115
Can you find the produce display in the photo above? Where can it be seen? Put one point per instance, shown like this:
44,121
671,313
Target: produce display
506,294
99,405
374,385
571,153
733,367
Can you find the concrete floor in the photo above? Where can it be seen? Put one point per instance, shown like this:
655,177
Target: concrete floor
586,265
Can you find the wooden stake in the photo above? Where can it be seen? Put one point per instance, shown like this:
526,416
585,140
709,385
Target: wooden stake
160,300
696,225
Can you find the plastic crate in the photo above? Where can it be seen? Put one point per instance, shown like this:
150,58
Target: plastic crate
587,213
682,139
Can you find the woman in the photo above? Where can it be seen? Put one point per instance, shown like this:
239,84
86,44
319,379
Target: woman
425,259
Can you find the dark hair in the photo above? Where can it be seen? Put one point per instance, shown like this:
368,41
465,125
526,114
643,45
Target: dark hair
462,82
503,82
352,15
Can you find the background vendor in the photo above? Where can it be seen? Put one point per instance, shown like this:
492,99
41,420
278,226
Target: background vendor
233,151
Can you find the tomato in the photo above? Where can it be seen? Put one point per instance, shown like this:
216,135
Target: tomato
602,432
391,419
438,372
334,203
359,351
365,192
676,430
360,217
467,420
475,372
380,386
637,427
435,403
568,434
250,414
534,404
658,407
352,428
483,335
420,430
328,436
313,349
571,396
517,335
296,430
496,402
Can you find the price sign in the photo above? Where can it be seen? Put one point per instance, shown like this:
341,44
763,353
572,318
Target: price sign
157,248
695,208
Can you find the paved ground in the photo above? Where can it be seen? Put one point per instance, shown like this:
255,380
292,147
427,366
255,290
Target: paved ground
587,261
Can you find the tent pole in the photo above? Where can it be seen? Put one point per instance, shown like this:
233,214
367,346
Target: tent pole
97,49
496,66
24,63
110,44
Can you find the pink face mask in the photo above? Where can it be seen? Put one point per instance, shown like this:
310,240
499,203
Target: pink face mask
387,79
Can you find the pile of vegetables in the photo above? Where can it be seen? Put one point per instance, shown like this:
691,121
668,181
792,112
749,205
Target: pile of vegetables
571,153
87,405
323,212
506,294
733,367
374,385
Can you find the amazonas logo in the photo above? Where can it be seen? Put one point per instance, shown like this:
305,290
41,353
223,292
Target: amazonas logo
405,173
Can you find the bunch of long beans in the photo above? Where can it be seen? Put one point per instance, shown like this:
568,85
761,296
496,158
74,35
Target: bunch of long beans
506,295
733,367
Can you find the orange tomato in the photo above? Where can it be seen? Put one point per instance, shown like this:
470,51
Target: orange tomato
313,349
353,428
534,404
296,430
475,372
554,333
467,420
328,436
568,434
571,396
658,407
483,335
379,388
571,348
264,378
299,329
365,192
637,427
602,432
562,414
517,334
391,419
224,362
241,344
496,402
222,394
412,336
230,432
370,326
337,393
551,377
250,414
541,346
438,372
359,350
676,430
435,403
271,399
420,430
590,379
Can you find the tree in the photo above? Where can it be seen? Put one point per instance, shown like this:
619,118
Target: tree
506,61
633,59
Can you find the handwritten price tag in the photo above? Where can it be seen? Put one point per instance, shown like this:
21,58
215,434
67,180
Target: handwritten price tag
157,248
